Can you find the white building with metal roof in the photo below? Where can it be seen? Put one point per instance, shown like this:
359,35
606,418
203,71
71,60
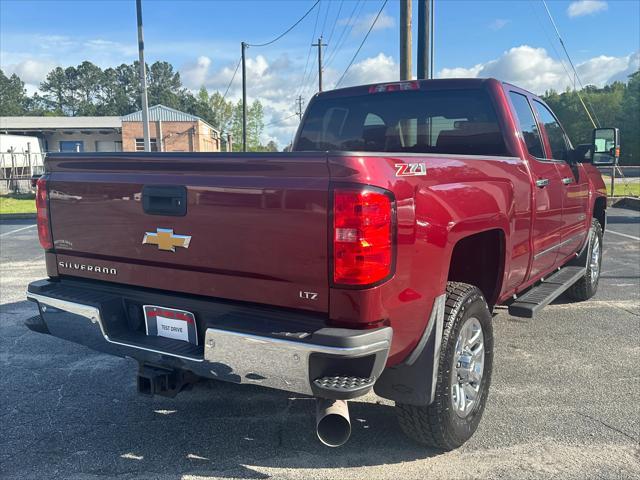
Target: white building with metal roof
171,130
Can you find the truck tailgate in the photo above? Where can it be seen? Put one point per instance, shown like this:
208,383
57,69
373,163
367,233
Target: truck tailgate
257,224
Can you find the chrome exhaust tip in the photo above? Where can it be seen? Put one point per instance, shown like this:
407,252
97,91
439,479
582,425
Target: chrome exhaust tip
333,426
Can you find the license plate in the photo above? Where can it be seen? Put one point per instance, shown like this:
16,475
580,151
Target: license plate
170,323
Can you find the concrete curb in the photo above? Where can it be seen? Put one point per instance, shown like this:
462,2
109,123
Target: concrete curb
632,203
17,216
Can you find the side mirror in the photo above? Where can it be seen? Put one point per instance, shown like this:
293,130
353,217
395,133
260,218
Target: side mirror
606,146
581,154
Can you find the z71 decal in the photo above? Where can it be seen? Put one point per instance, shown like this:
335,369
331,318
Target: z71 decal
410,169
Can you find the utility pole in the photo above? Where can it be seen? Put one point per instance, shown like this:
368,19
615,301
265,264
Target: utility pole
424,27
143,80
299,102
244,98
319,45
405,40
431,43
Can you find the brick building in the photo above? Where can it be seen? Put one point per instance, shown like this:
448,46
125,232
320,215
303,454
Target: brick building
170,131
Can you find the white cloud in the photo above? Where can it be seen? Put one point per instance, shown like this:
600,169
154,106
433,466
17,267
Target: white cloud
532,68
194,74
381,68
634,66
586,7
499,24
101,45
32,71
460,72
601,70
277,83
363,23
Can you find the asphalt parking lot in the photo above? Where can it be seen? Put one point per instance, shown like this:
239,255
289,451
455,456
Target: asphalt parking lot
565,400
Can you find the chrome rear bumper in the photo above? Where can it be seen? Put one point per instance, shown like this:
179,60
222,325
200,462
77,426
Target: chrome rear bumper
235,356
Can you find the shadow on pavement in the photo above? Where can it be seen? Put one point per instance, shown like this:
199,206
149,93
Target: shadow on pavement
620,219
85,418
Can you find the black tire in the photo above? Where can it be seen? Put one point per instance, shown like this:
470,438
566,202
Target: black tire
438,425
587,286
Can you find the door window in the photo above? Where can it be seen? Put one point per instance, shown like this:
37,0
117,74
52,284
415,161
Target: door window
554,131
528,125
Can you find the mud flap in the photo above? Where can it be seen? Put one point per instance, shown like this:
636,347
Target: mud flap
413,382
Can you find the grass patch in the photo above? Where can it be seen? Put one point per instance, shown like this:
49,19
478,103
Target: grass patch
630,188
20,203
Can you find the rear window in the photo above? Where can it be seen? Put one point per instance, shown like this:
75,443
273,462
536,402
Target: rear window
442,121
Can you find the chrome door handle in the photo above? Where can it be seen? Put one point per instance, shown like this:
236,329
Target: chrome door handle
567,180
542,182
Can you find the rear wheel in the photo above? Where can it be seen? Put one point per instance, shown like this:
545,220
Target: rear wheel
587,286
464,374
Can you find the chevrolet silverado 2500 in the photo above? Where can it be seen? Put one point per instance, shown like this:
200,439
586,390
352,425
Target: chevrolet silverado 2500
369,257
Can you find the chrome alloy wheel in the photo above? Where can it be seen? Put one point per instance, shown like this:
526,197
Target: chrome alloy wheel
594,261
468,367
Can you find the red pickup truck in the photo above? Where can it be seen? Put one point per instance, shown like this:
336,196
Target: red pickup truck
369,257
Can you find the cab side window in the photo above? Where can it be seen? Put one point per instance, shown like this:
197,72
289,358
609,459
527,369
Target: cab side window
555,134
528,125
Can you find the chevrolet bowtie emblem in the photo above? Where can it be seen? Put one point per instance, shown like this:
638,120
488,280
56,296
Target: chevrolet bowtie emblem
165,239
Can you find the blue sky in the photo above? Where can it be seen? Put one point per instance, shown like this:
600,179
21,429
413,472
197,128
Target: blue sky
512,40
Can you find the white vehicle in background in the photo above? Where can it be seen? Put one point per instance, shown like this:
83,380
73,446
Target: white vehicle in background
21,157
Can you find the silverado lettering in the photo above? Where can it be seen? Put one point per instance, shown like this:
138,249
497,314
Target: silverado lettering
401,270
88,268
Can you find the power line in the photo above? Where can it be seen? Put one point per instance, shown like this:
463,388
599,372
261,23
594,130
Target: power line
544,29
281,120
302,88
344,35
326,14
362,43
335,22
286,31
348,26
232,79
572,66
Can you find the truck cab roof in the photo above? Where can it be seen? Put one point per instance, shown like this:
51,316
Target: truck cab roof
444,83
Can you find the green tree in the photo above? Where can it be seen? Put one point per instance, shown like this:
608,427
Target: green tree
37,105
223,112
200,106
271,146
55,88
164,85
89,80
629,121
615,105
120,91
236,126
255,126
12,95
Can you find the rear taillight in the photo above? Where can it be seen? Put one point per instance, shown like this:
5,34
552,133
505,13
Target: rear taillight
363,229
42,207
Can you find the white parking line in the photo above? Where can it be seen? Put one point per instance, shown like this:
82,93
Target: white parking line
16,230
623,235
